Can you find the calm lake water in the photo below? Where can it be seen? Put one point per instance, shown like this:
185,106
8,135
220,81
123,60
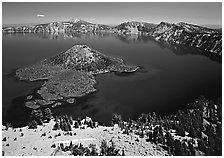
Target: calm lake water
171,78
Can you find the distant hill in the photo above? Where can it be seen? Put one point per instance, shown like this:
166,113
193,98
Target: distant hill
212,26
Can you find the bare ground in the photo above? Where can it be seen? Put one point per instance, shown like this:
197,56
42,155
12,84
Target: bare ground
27,142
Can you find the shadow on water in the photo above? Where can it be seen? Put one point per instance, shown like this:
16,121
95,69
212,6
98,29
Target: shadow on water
18,114
186,50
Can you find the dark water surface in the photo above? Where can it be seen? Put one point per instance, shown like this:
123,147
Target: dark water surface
171,78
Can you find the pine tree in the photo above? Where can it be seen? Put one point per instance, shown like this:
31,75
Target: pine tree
143,118
141,135
93,150
48,114
218,146
56,126
71,120
91,124
150,135
37,115
178,148
192,132
61,124
32,124
116,119
103,147
56,119
180,130
66,128
155,134
70,146
76,124
123,154
161,139
69,126
185,149
66,118
201,145
170,139
191,148
79,121
219,130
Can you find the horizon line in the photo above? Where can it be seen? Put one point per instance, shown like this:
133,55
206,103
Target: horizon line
36,23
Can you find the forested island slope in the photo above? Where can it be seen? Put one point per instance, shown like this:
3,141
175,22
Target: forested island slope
70,74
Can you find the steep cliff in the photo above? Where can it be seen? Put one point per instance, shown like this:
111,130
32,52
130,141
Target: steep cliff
209,40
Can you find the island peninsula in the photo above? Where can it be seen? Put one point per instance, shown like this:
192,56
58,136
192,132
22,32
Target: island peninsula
70,74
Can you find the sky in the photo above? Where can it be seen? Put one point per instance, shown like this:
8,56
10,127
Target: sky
112,13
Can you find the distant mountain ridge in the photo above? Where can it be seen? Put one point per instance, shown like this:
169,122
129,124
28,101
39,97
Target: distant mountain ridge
212,26
203,38
64,26
187,34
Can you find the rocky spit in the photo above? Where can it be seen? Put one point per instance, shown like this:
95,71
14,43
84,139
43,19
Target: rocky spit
70,74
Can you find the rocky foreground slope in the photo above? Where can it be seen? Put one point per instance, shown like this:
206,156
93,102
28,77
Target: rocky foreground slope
70,74
205,39
195,131
43,141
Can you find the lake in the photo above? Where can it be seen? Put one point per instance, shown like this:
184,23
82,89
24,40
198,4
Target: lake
171,76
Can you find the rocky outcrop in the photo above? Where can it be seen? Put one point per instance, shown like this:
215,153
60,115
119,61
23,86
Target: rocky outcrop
134,27
209,40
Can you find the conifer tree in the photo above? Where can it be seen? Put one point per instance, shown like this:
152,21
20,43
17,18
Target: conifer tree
192,132
56,126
